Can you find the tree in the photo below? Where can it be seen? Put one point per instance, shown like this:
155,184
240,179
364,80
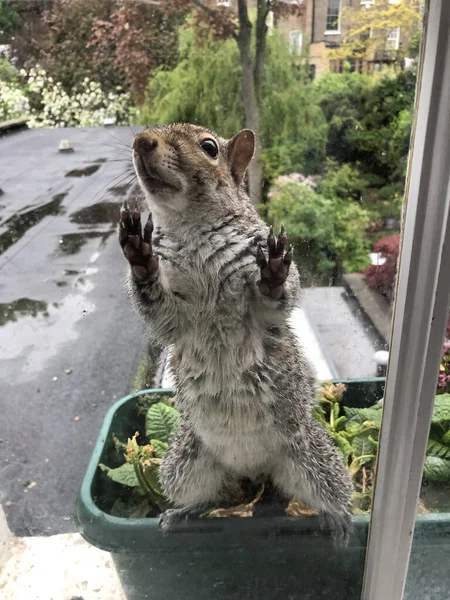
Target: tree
224,22
204,88
65,53
117,43
9,20
367,28
136,39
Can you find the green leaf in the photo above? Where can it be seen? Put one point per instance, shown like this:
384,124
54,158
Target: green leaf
374,441
344,445
339,422
363,445
441,411
436,469
372,414
437,449
161,422
319,414
351,412
446,438
124,474
160,448
336,409
151,476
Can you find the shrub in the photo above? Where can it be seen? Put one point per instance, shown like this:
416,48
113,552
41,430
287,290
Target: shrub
369,120
331,228
13,102
344,182
382,277
86,106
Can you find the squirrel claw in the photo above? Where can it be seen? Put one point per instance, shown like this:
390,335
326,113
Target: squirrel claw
275,267
137,248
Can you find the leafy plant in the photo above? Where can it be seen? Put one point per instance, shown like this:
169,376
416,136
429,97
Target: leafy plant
13,102
142,461
331,228
382,277
87,105
355,432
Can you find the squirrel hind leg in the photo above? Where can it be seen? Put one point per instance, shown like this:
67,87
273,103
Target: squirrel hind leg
314,473
190,475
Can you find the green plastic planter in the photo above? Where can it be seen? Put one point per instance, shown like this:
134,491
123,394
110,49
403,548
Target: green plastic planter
263,558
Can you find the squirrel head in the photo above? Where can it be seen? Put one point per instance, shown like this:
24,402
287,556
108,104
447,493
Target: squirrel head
182,166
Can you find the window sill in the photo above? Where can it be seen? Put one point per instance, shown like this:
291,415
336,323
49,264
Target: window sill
332,32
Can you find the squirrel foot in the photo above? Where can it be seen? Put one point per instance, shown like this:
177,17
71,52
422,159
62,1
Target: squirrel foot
338,525
136,247
171,517
275,269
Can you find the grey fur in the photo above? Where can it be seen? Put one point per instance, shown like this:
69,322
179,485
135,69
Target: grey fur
244,388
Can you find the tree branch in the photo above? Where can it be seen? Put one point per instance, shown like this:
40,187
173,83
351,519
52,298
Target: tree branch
207,9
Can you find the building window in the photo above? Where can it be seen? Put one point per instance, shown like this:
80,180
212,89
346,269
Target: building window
333,9
224,2
295,42
393,39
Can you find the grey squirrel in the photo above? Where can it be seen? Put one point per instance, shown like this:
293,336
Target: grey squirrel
212,281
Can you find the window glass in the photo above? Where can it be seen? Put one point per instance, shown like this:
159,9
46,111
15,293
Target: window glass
295,42
84,83
333,8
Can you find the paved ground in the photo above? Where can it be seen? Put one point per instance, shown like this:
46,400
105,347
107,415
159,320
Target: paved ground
69,343
347,339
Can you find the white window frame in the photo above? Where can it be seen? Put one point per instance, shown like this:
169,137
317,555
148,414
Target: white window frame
420,316
333,31
393,41
295,50
224,2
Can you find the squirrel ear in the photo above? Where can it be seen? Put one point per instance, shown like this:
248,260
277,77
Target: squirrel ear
240,153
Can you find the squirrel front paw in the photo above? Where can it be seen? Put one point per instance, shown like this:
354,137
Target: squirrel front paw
275,269
136,247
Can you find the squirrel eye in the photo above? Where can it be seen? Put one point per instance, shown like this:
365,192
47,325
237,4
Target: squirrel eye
210,147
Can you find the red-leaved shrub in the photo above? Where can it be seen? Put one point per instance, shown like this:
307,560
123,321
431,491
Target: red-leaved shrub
382,277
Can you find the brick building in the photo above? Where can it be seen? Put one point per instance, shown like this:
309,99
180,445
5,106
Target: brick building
319,29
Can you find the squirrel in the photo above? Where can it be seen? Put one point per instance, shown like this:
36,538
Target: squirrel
214,283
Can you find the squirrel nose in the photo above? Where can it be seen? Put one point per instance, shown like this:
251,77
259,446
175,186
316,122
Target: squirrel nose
144,144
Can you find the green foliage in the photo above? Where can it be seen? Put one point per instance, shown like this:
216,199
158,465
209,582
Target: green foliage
344,182
125,474
332,228
355,432
8,73
369,120
204,88
342,98
161,422
436,469
141,469
356,435
87,105
9,19
13,102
